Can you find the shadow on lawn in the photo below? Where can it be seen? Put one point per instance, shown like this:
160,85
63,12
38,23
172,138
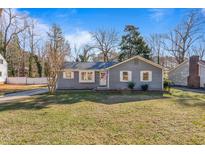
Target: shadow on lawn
191,102
42,101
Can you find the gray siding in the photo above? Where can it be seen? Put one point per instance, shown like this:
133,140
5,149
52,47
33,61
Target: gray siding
202,76
74,83
179,75
135,66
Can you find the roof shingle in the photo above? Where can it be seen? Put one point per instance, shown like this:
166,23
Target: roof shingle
88,65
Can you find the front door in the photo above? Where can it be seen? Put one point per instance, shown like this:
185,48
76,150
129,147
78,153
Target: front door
102,78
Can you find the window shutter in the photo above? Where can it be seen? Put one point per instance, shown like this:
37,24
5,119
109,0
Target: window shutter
141,75
129,76
64,75
72,75
121,76
150,75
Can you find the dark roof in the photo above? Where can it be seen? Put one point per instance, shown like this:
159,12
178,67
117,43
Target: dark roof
88,65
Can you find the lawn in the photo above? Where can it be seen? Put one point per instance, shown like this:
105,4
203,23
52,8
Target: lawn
10,88
100,118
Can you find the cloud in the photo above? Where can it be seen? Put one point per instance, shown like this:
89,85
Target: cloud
157,14
79,38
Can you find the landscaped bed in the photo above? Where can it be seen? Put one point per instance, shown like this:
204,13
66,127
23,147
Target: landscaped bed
102,118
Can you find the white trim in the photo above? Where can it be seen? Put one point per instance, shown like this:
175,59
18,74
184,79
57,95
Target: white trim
108,79
140,58
100,78
86,81
129,76
149,76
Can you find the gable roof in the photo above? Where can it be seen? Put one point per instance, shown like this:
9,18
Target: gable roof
140,58
178,66
202,62
88,65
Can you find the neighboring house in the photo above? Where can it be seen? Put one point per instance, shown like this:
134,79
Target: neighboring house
3,69
168,62
189,73
111,75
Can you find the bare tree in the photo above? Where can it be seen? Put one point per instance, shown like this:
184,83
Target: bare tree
156,43
76,53
181,39
105,41
86,55
33,43
10,27
56,51
199,49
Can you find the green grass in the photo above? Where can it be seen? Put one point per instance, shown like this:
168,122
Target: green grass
100,118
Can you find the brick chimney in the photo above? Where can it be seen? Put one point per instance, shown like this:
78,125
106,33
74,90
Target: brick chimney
193,78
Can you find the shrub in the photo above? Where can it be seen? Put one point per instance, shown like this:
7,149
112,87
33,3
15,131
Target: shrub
144,87
167,84
131,85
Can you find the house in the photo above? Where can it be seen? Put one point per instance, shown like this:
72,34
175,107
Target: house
111,75
3,69
190,73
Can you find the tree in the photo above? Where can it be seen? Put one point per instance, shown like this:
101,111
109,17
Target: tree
85,56
1,10
14,57
105,41
10,27
182,38
199,49
156,44
56,51
33,42
133,44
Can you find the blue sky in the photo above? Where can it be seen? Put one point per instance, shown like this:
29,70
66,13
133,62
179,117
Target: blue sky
77,22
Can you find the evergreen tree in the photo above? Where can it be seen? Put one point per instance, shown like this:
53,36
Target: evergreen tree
133,44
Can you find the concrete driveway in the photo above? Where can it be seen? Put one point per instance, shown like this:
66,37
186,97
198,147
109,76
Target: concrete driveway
23,94
190,89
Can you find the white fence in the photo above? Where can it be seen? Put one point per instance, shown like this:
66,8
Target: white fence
25,80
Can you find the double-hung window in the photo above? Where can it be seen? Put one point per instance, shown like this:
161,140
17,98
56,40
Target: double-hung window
86,76
125,76
68,75
146,76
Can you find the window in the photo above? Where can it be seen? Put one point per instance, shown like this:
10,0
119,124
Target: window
0,74
146,76
68,75
125,76
86,76
1,61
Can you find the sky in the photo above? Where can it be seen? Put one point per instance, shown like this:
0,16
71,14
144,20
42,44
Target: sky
78,23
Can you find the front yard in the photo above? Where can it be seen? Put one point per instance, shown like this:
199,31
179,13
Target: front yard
99,118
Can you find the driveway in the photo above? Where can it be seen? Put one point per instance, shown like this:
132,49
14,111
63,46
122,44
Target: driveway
191,89
23,94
